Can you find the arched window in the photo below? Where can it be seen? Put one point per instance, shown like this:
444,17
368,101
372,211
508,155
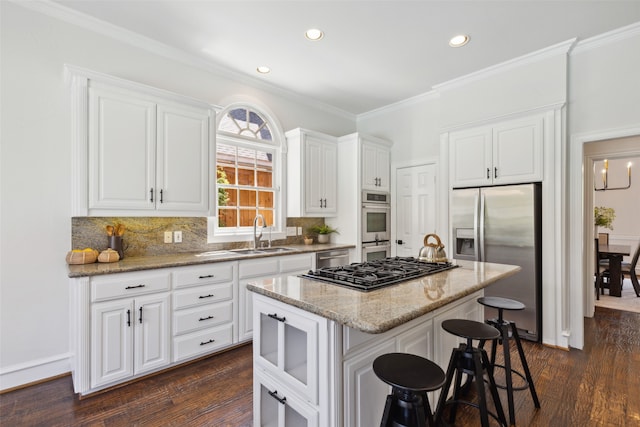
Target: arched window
248,171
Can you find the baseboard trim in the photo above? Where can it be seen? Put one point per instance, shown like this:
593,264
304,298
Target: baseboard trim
35,371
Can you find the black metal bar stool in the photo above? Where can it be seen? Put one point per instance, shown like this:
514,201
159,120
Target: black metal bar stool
410,377
473,361
505,327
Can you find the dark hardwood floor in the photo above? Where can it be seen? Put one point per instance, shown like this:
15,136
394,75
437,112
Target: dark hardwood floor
598,386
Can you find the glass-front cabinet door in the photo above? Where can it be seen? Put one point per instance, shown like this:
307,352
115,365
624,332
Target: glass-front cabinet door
286,346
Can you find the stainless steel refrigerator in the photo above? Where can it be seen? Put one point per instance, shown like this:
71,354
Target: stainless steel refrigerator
503,225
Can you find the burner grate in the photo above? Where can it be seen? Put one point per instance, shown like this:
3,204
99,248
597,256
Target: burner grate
376,274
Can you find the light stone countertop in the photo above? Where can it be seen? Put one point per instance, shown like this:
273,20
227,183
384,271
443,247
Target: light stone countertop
382,309
181,259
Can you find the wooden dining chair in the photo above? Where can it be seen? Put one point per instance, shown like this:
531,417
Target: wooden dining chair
603,239
630,269
601,272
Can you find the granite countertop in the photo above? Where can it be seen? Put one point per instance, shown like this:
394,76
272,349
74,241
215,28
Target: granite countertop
379,310
181,259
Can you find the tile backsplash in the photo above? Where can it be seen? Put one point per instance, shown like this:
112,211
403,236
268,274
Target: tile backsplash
144,236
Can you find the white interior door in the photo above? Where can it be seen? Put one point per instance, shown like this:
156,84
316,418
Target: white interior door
415,207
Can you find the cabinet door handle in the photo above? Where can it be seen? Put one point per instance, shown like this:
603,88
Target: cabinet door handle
161,196
202,319
136,286
140,318
488,173
495,172
151,191
274,394
207,342
206,277
128,317
275,316
205,296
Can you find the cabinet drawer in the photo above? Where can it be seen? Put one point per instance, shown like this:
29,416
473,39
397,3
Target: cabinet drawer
128,284
202,295
202,317
201,275
197,343
258,267
295,263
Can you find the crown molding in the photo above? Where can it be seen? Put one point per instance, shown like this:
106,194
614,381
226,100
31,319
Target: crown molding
613,36
405,103
131,38
562,48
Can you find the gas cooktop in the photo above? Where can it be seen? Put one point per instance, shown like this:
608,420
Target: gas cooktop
377,274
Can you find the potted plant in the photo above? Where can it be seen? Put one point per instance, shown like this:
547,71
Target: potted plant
603,217
323,231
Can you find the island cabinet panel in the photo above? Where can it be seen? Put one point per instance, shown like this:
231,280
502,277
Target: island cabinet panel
276,405
364,393
286,346
333,373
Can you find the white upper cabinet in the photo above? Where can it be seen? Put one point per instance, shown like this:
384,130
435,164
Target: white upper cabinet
503,153
138,150
147,154
182,158
311,174
376,161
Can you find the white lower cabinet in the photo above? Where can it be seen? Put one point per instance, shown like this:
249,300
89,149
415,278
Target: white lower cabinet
250,271
203,309
264,269
129,337
277,406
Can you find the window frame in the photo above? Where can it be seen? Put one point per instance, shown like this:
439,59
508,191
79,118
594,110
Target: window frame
277,146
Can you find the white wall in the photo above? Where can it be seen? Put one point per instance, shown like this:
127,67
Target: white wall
603,105
35,221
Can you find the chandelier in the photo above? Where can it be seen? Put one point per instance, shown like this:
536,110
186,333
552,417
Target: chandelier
605,178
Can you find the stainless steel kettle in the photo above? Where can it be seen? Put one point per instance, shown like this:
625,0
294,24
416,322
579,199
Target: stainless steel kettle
432,252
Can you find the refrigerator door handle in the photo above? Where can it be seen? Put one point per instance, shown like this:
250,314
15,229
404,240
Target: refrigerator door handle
480,223
476,227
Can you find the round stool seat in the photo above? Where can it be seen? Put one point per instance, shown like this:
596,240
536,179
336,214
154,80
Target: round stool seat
503,303
408,372
470,329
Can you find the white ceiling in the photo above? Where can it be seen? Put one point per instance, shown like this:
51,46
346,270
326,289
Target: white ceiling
374,53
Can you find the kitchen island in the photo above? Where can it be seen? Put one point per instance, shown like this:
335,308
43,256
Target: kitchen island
314,342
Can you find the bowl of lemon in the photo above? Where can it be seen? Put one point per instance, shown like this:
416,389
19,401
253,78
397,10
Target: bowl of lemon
82,256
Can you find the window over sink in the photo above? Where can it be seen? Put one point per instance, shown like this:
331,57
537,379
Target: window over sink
248,161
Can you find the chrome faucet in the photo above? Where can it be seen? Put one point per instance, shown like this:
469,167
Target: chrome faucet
256,236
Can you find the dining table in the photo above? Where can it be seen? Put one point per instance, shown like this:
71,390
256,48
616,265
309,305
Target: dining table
615,254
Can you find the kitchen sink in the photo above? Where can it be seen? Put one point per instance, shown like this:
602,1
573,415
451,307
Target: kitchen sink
275,250
215,253
247,251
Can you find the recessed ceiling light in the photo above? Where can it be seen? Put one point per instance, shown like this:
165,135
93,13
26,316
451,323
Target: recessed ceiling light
314,34
459,40
263,69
